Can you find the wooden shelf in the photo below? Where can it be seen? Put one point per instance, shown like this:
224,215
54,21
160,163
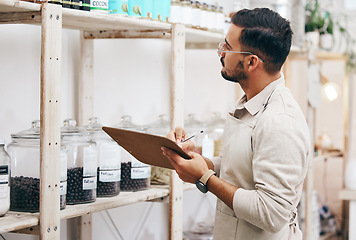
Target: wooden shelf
12,11
14,221
324,55
347,194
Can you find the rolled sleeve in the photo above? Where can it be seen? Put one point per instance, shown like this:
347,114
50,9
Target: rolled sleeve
280,150
217,164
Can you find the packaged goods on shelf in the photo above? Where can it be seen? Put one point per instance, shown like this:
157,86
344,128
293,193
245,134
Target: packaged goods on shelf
109,162
25,170
161,10
135,175
4,179
100,6
118,7
84,5
135,8
82,163
160,127
197,14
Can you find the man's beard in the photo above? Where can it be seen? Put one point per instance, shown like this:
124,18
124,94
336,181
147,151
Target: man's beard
239,74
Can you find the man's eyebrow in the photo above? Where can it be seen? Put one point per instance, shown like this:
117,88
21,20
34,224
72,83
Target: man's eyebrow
228,44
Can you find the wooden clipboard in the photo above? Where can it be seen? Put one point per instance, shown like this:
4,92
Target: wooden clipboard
145,147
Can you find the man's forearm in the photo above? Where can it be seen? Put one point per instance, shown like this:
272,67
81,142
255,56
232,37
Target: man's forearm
222,189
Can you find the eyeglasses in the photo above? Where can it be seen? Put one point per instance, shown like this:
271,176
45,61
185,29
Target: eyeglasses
222,49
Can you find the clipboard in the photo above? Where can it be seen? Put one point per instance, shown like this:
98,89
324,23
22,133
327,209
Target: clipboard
145,147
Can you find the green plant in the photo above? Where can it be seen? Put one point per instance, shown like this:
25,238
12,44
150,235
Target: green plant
318,19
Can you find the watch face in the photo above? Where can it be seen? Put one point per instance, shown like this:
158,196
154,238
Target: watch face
201,186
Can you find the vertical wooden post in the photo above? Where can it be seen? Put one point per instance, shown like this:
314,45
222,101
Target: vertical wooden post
347,111
85,111
86,81
177,119
51,57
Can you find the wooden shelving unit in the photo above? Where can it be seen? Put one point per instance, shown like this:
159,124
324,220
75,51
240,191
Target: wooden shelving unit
14,221
52,18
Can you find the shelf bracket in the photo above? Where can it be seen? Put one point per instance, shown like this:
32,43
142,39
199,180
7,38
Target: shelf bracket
35,230
33,17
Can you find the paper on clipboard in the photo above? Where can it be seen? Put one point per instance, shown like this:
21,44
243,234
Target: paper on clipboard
145,147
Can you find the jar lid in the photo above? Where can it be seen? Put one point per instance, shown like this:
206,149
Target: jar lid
94,125
70,128
32,133
127,124
161,125
191,121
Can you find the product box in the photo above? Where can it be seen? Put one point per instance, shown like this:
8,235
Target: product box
99,6
135,8
147,8
161,10
118,7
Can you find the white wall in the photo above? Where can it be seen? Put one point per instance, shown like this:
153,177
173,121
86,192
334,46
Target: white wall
131,77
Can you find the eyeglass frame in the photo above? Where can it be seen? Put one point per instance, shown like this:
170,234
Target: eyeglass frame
222,44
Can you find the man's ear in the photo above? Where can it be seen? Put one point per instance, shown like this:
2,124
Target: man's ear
252,62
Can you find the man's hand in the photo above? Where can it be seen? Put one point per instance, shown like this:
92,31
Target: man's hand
189,170
179,135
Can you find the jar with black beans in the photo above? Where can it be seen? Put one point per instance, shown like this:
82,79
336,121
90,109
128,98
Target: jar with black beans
81,165
109,158
25,170
135,175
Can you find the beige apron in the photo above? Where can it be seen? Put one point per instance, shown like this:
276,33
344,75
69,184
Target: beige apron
236,168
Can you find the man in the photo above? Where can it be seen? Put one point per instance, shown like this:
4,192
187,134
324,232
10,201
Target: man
263,164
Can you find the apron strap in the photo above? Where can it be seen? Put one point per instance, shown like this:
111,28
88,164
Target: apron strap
293,220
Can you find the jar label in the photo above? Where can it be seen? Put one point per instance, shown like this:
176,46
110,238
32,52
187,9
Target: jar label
99,5
141,172
4,179
90,161
89,183
4,191
63,188
4,170
110,176
63,167
110,156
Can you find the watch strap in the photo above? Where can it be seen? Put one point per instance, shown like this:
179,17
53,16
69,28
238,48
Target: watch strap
204,179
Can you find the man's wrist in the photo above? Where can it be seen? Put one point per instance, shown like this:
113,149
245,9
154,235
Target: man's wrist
206,176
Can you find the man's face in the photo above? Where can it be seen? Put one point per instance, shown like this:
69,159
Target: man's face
233,63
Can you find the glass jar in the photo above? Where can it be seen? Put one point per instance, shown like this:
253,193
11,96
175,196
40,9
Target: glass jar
211,17
215,130
193,126
186,12
160,127
82,163
4,179
196,12
25,170
109,154
220,19
204,16
176,12
135,175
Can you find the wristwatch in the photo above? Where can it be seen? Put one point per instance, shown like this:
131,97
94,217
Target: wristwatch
201,183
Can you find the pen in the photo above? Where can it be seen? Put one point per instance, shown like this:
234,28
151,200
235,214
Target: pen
195,134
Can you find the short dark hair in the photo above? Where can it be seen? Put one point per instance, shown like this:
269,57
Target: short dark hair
266,34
